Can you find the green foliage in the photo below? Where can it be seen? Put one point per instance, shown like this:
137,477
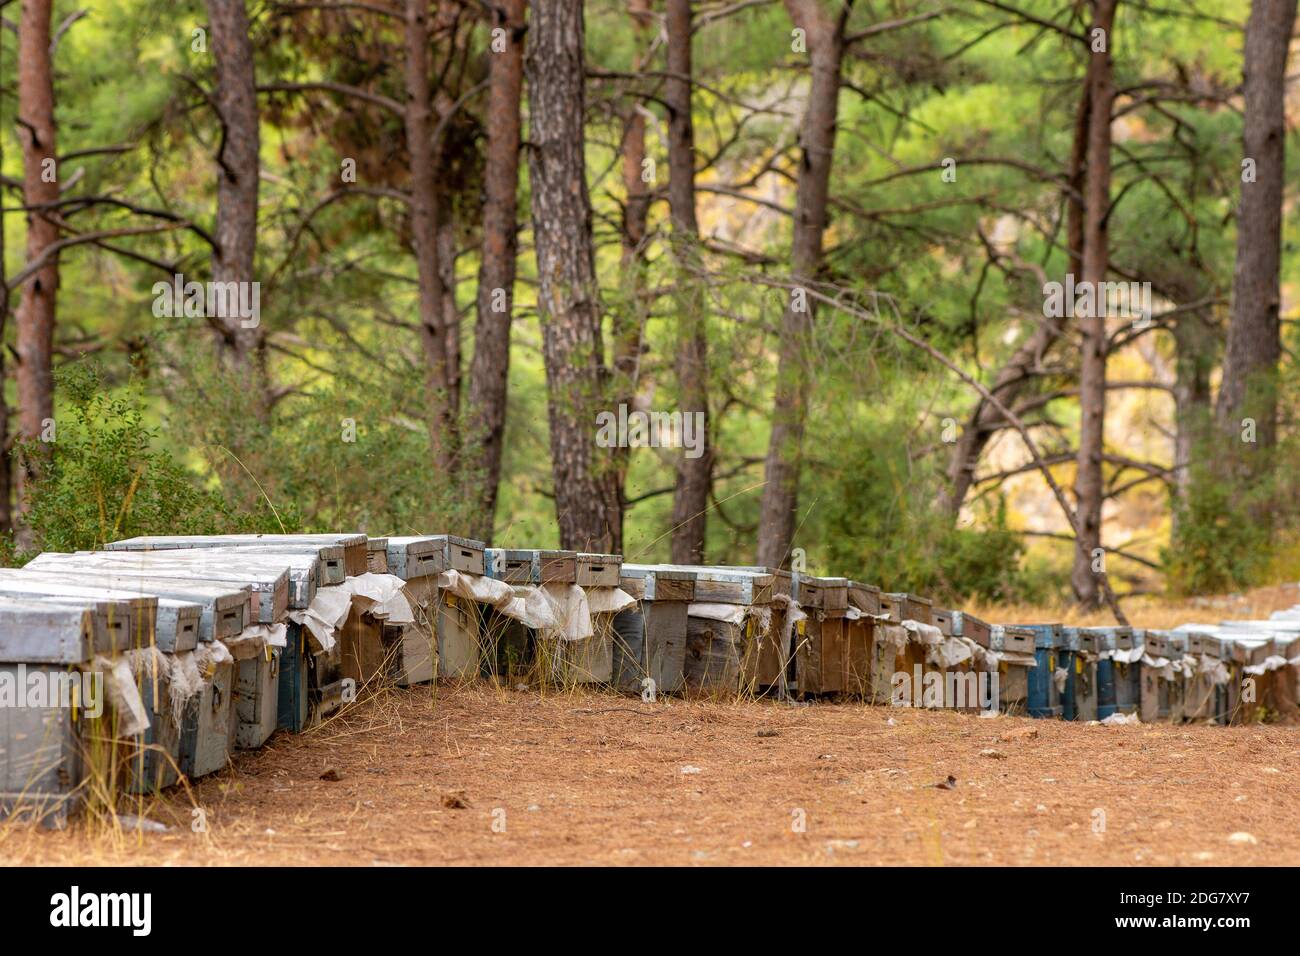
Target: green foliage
1217,544
873,516
105,479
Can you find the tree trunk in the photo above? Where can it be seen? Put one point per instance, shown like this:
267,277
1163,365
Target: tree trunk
1249,383
586,492
825,39
6,478
424,233
450,313
1089,487
628,325
694,475
1193,362
1015,374
243,340
490,366
36,309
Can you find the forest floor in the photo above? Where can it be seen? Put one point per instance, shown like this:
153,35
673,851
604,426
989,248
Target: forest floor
482,775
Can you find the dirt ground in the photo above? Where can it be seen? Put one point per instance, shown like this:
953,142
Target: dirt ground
490,776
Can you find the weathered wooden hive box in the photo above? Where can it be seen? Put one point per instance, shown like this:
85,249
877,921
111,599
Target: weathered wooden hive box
650,637
514,647
1014,646
509,645
1204,696
123,618
441,619
591,660
1127,675
1154,686
860,638
41,740
962,680
733,639
599,570
1286,625
410,649
1085,673
1044,693
1095,692
900,606
225,575
1256,684
821,645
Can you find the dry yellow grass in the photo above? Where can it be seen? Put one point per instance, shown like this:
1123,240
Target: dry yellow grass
1152,611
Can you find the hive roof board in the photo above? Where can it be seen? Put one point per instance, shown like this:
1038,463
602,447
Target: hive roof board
45,632
305,566
224,609
653,582
121,617
267,580
343,554
416,556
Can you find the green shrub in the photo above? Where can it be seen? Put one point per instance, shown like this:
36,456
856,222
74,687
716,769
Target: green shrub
104,479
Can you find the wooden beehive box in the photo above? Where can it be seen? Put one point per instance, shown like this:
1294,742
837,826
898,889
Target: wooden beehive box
1015,640
650,638
555,567
864,597
598,570
906,607
411,557
971,627
41,768
377,556
509,565
122,619
708,669
649,582
941,618
828,595
206,733
418,556
821,642
257,684
859,636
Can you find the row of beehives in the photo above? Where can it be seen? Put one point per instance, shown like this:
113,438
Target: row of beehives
210,644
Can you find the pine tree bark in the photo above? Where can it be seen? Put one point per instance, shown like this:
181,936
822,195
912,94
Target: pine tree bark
694,475
825,39
1249,384
243,342
34,333
1089,487
424,211
587,502
1194,345
628,321
490,366
6,476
